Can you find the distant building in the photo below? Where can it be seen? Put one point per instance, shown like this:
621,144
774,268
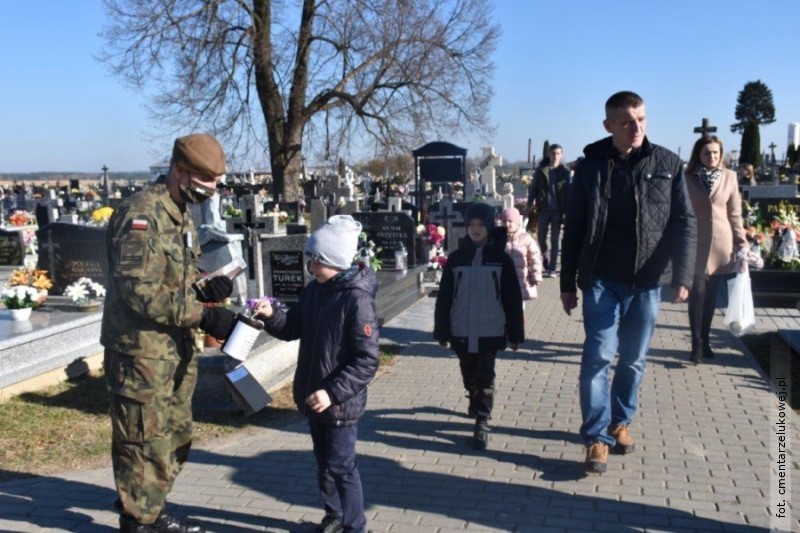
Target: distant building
157,169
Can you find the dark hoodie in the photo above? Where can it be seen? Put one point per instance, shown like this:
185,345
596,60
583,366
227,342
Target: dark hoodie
479,305
649,240
337,324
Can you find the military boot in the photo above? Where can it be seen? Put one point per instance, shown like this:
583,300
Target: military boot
128,525
167,523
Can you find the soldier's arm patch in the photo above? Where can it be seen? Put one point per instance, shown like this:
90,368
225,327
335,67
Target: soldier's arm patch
139,224
132,254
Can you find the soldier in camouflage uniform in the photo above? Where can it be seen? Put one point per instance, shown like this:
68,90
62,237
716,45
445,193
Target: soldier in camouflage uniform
150,311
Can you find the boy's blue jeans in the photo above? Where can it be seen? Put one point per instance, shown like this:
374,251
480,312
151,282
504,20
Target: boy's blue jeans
616,318
337,473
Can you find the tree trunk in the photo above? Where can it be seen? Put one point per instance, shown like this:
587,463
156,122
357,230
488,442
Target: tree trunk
286,167
285,120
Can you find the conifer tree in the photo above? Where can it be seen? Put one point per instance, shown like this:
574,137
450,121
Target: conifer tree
754,106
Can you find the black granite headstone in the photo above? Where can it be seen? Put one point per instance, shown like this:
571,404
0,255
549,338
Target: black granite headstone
770,207
12,248
387,231
287,271
72,251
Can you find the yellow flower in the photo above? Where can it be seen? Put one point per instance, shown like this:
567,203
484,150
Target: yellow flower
41,281
102,215
30,277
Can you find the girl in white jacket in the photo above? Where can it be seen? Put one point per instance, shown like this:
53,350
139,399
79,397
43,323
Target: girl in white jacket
525,252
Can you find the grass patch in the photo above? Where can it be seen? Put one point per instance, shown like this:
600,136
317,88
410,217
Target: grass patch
66,427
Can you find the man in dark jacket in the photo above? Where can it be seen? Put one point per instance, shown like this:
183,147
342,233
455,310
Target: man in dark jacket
629,220
548,193
336,321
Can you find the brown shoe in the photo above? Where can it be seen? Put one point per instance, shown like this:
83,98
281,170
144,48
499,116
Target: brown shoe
623,437
596,457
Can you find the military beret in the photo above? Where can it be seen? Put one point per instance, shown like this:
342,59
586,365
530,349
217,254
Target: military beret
199,154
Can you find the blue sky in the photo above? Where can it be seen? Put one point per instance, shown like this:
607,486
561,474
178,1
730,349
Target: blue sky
557,63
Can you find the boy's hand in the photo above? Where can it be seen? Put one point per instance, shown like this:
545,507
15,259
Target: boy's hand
319,400
264,309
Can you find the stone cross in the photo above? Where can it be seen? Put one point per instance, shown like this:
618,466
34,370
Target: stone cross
250,228
704,129
772,147
52,249
445,216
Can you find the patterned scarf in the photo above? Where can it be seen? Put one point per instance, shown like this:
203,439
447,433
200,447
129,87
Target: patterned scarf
709,177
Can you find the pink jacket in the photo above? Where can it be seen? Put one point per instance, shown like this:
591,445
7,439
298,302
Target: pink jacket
527,256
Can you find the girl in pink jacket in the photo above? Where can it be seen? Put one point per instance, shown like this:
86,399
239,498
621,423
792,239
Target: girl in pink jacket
525,252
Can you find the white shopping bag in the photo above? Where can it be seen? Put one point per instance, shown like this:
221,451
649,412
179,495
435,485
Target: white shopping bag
740,317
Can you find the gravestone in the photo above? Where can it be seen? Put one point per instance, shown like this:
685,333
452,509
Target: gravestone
319,214
282,266
388,230
72,251
489,173
287,274
350,207
12,247
218,246
46,213
250,227
451,217
757,192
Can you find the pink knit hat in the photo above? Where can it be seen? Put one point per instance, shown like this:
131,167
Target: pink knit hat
511,214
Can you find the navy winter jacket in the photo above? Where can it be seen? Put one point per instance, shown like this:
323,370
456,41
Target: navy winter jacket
479,304
337,324
666,238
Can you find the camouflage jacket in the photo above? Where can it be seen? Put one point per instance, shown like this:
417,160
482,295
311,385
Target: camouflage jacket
150,305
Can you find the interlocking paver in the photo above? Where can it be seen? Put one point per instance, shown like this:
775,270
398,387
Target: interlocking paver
702,461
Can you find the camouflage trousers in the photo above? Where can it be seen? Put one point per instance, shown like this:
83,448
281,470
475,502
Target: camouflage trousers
151,419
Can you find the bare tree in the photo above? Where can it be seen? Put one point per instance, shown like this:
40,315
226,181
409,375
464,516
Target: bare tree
397,72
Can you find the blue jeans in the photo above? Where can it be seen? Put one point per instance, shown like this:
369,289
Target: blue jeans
616,318
337,473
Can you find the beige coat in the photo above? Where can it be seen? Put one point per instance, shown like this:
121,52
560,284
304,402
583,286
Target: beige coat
719,223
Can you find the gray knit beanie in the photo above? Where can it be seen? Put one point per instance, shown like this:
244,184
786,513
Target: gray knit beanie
336,242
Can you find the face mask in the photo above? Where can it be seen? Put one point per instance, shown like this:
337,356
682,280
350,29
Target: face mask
194,193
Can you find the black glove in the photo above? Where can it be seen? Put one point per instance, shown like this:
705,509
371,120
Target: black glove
217,322
214,290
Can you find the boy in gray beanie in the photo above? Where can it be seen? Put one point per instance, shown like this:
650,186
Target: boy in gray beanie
336,242
337,323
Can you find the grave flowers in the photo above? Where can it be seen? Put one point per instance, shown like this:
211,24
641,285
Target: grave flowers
368,253
777,242
432,239
101,215
33,278
21,218
20,301
85,294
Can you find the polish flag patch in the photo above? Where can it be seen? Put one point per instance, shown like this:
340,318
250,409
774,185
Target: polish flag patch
139,224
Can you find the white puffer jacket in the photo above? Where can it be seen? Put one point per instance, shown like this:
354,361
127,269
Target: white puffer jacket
527,256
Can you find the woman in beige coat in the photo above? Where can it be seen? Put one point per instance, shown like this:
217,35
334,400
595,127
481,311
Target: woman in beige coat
721,242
